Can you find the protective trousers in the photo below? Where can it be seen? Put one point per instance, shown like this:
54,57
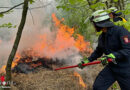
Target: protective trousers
107,77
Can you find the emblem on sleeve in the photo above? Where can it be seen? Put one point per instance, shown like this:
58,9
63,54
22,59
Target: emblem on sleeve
126,39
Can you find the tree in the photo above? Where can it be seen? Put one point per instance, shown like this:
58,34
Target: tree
75,13
8,25
17,40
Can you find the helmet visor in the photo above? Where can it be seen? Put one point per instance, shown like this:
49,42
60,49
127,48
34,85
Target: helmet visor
105,23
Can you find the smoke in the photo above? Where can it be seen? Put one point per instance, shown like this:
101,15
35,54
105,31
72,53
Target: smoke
38,23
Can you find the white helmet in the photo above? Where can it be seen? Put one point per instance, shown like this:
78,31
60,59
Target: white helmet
99,16
113,9
101,19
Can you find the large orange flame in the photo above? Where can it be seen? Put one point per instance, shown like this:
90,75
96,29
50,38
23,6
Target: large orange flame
66,33
81,82
62,41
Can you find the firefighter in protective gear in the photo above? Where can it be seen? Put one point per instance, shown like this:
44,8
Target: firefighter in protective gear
116,15
114,42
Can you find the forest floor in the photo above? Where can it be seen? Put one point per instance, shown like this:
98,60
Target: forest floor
46,79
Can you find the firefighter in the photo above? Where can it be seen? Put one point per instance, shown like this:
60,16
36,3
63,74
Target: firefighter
114,43
116,15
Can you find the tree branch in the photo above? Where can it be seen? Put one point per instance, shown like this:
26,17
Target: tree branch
11,8
31,15
30,8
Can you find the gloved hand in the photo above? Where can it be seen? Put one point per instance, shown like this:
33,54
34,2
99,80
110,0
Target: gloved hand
83,61
104,59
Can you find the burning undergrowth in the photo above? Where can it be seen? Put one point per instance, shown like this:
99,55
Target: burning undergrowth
51,48
46,51
28,63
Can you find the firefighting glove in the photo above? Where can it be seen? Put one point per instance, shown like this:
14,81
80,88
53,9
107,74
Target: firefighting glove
83,61
104,59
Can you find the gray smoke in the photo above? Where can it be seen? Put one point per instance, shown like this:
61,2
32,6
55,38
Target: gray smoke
39,25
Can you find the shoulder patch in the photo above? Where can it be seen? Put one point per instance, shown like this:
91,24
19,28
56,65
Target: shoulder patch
126,39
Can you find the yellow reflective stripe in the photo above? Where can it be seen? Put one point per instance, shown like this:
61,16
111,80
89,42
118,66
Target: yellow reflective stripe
123,19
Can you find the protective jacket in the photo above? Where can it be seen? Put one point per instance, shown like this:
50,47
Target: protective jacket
117,41
119,18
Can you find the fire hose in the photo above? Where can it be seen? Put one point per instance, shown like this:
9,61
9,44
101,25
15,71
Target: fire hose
87,64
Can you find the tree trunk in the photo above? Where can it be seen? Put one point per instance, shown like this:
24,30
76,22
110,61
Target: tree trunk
123,4
107,4
89,3
119,5
17,40
111,3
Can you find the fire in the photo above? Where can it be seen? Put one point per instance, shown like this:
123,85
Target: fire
2,70
63,40
82,45
14,63
66,33
81,82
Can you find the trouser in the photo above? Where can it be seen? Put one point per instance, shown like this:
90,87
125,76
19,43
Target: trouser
107,77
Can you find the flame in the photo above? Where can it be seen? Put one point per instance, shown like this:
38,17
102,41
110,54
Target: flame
81,82
2,70
65,34
36,65
14,63
81,44
62,41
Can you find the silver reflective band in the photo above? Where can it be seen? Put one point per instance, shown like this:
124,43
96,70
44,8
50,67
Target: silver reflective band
100,16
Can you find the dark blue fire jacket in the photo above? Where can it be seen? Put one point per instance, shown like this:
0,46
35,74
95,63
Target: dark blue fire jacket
117,19
117,41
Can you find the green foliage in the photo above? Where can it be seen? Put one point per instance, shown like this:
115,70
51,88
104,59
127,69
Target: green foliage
126,12
99,5
72,2
75,13
7,25
1,15
115,0
124,24
115,86
31,1
94,1
127,9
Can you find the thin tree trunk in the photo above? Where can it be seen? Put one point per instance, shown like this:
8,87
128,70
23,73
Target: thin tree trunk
119,5
107,4
123,4
111,3
17,40
89,3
